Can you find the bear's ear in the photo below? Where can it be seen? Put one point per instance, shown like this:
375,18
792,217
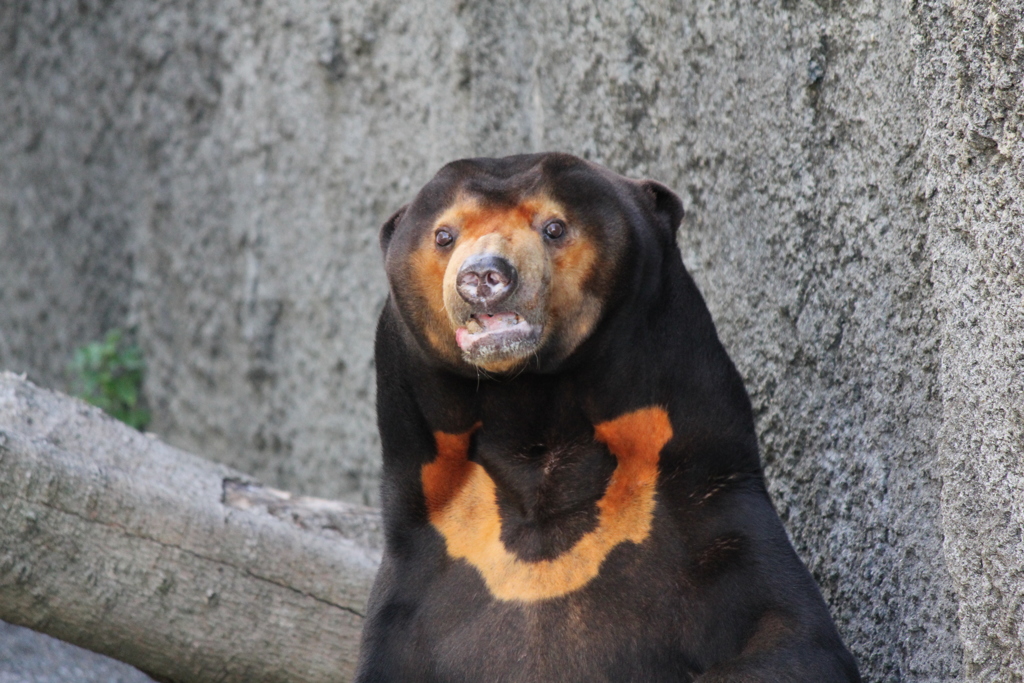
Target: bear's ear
667,204
388,229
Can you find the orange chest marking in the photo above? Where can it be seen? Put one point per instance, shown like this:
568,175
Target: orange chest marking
462,505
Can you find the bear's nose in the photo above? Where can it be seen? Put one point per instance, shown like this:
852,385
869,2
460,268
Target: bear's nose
486,280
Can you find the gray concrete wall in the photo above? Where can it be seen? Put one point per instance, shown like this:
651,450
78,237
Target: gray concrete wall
213,173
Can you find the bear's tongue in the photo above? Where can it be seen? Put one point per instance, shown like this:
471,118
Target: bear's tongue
483,325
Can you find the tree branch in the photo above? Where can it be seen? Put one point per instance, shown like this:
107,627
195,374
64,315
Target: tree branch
183,568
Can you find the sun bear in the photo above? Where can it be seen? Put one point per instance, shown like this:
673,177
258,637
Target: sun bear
571,484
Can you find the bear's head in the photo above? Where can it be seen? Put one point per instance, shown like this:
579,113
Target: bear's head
502,263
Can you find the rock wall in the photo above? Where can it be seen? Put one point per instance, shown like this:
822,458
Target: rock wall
975,182
213,174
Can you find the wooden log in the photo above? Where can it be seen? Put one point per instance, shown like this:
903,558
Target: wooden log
188,570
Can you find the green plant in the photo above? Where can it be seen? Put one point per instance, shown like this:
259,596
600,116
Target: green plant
108,374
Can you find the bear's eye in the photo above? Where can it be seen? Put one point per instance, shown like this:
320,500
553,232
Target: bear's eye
443,237
554,229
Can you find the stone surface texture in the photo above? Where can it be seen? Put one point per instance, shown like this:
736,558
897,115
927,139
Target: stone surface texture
212,174
30,657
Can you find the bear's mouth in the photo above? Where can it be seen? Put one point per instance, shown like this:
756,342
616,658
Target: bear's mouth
486,337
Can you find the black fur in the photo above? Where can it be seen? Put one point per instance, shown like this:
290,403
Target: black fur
716,593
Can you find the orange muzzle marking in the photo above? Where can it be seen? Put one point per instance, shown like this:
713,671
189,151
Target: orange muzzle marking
462,505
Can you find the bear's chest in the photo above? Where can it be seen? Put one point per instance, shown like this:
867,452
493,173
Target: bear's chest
629,623
534,533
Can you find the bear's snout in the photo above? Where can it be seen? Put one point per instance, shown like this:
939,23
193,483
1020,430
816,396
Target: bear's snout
486,280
